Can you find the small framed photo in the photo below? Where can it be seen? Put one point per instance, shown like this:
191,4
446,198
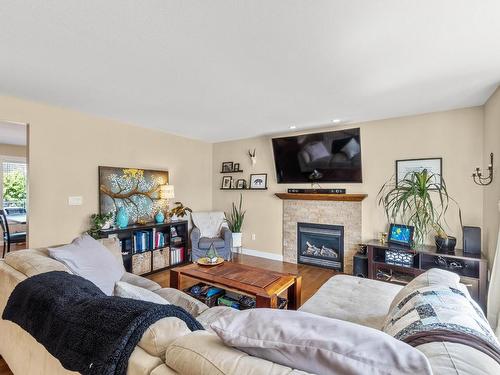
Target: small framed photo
258,181
173,232
227,166
241,184
433,166
226,182
236,167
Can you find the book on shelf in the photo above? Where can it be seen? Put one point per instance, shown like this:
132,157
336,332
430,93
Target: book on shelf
177,255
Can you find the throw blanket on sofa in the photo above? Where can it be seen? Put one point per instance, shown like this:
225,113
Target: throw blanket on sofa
437,314
78,324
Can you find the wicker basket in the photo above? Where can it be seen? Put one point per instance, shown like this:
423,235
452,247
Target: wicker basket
161,258
141,263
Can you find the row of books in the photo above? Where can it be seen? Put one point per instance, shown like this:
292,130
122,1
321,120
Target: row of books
177,255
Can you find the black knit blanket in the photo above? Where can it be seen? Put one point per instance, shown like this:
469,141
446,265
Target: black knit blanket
83,328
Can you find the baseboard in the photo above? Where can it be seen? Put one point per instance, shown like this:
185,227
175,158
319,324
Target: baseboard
262,254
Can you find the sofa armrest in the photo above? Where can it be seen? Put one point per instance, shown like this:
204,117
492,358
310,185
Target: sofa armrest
226,234
195,237
140,281
179,298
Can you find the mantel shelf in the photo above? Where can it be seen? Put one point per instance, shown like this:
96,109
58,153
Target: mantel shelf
323,197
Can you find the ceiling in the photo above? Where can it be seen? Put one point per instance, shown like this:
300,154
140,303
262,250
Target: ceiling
12,133
226,69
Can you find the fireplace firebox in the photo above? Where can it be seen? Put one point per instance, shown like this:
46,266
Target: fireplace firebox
321,245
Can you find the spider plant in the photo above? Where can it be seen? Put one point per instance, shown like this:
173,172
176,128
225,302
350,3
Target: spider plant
235,218
419,200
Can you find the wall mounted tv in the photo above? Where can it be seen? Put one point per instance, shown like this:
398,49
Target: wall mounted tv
320,157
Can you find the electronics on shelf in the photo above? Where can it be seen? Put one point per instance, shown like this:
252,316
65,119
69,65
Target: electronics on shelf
317,191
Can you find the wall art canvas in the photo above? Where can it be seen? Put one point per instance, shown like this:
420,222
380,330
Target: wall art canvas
433,166
139,191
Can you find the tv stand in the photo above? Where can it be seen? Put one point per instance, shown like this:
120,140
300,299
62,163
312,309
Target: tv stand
472,270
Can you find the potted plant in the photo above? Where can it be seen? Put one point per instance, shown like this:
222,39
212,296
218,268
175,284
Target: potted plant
418,200
234,221
99,222
179,211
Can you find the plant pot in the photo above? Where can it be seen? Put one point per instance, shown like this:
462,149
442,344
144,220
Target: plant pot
445,245
237,239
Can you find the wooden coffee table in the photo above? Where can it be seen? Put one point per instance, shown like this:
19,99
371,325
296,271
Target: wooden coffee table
262,284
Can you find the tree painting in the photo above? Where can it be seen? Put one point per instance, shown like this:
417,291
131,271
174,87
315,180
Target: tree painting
137,190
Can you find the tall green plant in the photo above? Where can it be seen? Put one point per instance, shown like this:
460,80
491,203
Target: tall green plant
235,217
418,200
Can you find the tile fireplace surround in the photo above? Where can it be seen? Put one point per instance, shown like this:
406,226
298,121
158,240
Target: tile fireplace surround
345,213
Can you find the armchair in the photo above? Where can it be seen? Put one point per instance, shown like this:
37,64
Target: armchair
210,228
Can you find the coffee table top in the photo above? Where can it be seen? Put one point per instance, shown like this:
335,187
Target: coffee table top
243,278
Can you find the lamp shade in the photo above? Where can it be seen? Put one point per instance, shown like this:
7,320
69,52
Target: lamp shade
167,192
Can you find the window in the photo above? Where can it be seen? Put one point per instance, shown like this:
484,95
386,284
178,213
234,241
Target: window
14,184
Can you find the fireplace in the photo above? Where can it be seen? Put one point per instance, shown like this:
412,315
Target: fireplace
321,245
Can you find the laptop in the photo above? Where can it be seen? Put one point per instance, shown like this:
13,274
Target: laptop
400,237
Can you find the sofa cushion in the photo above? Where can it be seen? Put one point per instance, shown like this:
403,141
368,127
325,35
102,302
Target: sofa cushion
88,258
201,352
114,247
159,335
181,299
126,290
353,299
317,344
33,262
434,276
209,316
140,281
205,243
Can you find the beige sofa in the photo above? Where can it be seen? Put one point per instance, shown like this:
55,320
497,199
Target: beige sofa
168,347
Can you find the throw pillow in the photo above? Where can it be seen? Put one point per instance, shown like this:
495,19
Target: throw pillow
319,345
112,244
126,290
352,148
89,259
317,150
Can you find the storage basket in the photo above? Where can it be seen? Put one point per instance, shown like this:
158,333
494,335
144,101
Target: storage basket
141,263
161,258
399,257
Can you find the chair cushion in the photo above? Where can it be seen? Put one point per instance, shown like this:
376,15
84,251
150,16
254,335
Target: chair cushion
205,243
89,259
209,223
354,299
317,344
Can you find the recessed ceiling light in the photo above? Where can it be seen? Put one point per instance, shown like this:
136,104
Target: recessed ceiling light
293,127
336,121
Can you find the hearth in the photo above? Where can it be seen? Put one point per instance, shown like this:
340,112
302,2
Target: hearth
321,245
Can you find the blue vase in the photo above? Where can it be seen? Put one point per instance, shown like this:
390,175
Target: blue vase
121,218
160,217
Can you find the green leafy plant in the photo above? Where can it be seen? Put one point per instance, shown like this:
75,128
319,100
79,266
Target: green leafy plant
235,218
418,200
97,222
180,210
14,186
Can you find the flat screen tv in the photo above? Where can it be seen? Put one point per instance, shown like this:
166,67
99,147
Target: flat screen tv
320,157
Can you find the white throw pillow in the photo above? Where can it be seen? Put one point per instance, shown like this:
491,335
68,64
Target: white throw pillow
209,223
89,259
126,290
112,244
319,345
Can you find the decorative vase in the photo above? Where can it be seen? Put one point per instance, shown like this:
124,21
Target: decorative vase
445,245
237,239
160,217
121,218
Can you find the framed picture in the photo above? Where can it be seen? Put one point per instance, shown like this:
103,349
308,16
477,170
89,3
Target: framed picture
433,165
226,182
227,166
258,181
241,184
236,167
173,231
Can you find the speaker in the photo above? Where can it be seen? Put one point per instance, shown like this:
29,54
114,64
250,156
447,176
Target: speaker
472,240
360,265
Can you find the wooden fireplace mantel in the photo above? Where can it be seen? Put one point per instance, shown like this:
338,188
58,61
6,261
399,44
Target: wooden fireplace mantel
323,197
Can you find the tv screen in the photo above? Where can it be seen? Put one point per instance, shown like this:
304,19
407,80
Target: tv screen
320,157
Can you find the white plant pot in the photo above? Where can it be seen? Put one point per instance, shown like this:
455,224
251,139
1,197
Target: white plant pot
237,239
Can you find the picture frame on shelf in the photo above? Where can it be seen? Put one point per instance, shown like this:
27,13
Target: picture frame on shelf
241,184
258,181
236,167
227,166
226,182
433,165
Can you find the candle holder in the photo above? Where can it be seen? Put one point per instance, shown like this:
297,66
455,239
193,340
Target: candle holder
478,177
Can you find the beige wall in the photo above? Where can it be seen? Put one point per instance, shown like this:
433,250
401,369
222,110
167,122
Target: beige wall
492,192
12,150
65,149
456,136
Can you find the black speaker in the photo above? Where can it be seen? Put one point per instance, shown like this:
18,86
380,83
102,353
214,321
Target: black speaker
360,265
472,240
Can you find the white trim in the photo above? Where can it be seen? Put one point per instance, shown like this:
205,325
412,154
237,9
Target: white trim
262,254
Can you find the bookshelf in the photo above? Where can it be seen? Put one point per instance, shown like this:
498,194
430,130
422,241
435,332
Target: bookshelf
152,247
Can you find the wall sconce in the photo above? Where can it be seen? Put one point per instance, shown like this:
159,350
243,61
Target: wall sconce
478,177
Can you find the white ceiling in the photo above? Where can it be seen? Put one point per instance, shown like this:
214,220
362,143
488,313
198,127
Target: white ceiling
12,133
226,69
